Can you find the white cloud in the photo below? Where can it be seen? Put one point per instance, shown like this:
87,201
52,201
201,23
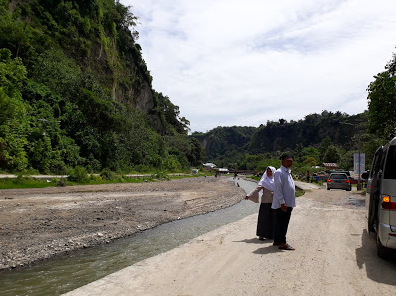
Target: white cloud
233,62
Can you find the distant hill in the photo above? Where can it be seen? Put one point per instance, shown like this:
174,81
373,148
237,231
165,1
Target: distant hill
222,139
282,135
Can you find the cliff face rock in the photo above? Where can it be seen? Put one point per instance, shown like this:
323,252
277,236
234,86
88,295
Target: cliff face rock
204,143
125,78
144,100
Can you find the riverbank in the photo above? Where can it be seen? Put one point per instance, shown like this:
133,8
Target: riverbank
37,224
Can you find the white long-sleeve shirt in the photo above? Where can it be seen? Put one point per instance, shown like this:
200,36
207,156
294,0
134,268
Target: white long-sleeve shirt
285,190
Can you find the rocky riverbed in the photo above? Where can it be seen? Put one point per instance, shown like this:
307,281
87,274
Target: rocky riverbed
37,224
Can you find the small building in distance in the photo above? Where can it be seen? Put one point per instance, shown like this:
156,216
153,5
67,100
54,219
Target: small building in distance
208,166
221,170
330,166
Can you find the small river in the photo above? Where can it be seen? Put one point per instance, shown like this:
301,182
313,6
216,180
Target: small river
65,273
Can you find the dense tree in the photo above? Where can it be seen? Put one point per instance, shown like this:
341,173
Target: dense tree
310,161
13,120
381,111
332,154
324,146
382,105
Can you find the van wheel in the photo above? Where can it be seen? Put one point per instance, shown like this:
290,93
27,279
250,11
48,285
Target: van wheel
349,189
328,188
382,251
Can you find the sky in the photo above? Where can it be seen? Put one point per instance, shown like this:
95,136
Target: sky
234,62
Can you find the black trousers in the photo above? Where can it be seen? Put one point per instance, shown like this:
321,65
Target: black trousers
266,221
281,225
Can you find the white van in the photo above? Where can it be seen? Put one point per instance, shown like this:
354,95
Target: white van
381,197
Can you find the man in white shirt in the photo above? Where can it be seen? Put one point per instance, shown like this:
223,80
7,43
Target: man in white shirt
284,201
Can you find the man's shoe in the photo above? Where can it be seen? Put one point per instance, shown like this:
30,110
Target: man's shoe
286,247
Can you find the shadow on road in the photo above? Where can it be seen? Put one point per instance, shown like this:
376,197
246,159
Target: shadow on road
254,241
377,269
267,250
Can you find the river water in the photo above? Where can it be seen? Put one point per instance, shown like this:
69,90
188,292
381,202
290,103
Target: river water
66,273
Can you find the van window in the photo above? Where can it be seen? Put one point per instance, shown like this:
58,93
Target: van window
382,161
390,166
376,162
374,166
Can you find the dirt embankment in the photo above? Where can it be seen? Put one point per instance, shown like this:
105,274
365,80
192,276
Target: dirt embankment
37,224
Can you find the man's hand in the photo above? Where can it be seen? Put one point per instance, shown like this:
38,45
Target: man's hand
284,207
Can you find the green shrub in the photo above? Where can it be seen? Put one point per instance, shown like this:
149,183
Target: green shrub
58,182
171,163
160,175
58,167
20,178
79,174
107,174
94,178
141,168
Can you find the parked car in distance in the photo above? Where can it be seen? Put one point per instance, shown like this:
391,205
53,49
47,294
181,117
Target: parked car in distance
339,181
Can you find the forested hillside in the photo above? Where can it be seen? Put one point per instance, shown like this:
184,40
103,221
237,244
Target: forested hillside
222,139
310,131
75,91
325,137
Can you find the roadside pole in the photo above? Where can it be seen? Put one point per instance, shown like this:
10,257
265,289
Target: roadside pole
359,160
359,187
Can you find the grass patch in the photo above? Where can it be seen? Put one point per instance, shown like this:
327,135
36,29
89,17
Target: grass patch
100,182
188,176
24,182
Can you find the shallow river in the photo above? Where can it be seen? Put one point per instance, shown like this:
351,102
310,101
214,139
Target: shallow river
63,274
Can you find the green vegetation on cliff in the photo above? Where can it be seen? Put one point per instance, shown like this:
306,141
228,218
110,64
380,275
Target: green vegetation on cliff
75,91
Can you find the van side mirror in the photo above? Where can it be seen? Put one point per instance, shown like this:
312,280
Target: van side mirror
365,175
